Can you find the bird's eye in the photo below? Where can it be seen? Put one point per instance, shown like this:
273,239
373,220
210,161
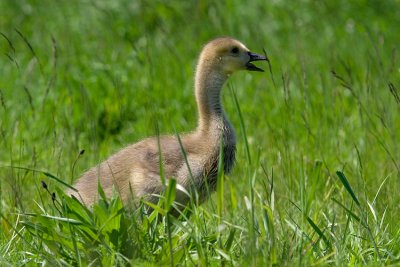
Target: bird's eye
235,50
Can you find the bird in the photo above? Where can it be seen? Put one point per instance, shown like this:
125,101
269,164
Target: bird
192,159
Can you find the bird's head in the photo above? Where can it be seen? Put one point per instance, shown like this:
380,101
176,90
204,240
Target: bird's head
229,55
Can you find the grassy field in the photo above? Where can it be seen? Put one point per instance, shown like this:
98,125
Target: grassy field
318,166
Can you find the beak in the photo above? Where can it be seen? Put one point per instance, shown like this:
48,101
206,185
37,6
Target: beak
254,57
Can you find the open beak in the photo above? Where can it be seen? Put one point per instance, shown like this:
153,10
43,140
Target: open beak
254,57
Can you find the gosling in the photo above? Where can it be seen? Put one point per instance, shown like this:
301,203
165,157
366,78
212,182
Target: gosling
193,160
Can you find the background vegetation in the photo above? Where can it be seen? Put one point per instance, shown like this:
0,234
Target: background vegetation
318,165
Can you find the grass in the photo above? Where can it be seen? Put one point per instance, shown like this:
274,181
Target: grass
318,164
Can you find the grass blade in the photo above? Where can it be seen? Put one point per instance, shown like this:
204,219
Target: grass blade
346,184
352,214
170,194
319,231
220,181
242,126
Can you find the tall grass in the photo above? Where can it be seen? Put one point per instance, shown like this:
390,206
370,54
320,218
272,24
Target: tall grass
318,160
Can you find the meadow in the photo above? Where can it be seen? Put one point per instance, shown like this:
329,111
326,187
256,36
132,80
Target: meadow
318,158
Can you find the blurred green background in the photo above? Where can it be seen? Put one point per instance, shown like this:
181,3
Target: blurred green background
98,75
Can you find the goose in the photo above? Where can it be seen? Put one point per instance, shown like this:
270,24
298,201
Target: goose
192,158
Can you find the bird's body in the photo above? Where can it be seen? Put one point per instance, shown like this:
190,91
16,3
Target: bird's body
193,160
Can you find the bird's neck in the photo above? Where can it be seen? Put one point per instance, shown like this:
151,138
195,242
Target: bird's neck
208,86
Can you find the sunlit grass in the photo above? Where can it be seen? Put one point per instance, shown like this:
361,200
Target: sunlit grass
318,164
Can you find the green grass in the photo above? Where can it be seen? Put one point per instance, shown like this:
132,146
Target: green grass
318,166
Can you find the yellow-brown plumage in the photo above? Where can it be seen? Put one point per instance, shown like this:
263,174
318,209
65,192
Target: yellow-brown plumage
136,167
